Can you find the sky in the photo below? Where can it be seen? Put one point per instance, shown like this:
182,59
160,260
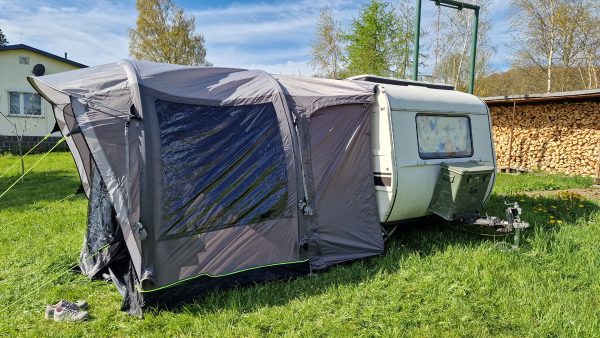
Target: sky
273,36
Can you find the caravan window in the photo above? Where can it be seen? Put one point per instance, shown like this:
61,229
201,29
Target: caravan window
444,136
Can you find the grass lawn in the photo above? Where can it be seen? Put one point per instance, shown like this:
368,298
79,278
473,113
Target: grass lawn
433,282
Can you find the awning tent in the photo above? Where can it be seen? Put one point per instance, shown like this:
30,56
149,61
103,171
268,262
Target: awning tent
200,177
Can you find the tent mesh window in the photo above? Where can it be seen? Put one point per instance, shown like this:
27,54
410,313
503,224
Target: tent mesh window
223,166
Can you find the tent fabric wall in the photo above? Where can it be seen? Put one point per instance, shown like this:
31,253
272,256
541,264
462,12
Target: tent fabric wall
209,171
340,177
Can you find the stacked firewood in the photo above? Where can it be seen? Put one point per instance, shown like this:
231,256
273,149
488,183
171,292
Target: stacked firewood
556,137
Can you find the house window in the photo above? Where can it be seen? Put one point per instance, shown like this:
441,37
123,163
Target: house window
24,60
444,136
25,104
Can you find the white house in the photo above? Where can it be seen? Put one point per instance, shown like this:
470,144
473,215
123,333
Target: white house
19,102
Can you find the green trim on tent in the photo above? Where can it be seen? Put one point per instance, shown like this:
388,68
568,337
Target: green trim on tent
209,275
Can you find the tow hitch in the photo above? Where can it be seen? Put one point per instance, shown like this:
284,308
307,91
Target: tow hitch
512,222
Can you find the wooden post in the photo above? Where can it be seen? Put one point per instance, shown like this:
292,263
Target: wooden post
597,178
512,130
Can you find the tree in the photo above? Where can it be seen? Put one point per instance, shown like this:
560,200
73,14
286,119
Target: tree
327,47
455,40
537,24
558,38
401,45
165,34
3,41
368,40
24,126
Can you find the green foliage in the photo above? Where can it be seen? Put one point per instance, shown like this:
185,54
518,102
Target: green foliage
401,46
368,40
380,41
3,41
327,47
165,34
432,282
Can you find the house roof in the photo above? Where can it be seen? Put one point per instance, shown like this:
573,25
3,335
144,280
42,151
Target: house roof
538,98
41,52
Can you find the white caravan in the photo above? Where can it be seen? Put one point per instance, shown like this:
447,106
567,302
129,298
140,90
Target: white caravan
417,126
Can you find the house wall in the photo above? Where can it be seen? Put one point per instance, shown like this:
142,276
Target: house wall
13,78
554,136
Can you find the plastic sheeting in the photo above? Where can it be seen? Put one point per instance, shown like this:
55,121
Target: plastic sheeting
223,166
101,230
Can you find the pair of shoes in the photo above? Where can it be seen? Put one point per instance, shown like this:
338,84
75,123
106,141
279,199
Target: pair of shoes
67,311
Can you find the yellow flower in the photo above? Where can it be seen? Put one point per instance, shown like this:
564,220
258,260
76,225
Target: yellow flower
545,210
552,221
565,199
551,180
553,207
535,212
558,221
527,175
551,216
581,206
539,209
540,205
522,200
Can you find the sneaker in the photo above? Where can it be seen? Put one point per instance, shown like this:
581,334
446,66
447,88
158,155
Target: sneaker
69,314
63,303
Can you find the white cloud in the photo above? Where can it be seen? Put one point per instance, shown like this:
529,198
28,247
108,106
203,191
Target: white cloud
274,37
95,35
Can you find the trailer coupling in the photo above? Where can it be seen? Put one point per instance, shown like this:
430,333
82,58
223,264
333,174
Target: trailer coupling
512,222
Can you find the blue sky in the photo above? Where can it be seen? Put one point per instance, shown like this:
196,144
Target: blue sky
270,35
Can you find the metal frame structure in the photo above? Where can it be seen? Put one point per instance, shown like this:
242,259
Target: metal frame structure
456,5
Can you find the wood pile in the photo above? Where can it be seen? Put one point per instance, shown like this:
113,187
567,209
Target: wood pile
556,137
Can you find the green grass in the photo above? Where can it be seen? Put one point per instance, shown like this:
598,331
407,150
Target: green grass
539,181
433,281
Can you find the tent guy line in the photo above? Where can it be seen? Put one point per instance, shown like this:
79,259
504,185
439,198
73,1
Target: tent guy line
55,278
30,150
49,151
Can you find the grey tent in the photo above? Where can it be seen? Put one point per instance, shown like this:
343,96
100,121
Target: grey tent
201,178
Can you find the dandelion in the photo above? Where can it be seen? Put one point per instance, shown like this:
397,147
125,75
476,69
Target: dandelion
565,199
539,209
553,207
552,221
551,180
551,216
581,205
522,200
540,205
559,222
536,212
545,210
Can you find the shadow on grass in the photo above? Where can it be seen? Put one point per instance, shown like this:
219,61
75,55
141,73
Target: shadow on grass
411,242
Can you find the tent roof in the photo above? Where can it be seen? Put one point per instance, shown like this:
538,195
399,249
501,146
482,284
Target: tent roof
206,85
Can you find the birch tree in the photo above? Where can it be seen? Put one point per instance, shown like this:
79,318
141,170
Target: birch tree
165,34
327,47
455,39
401,46
558,38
